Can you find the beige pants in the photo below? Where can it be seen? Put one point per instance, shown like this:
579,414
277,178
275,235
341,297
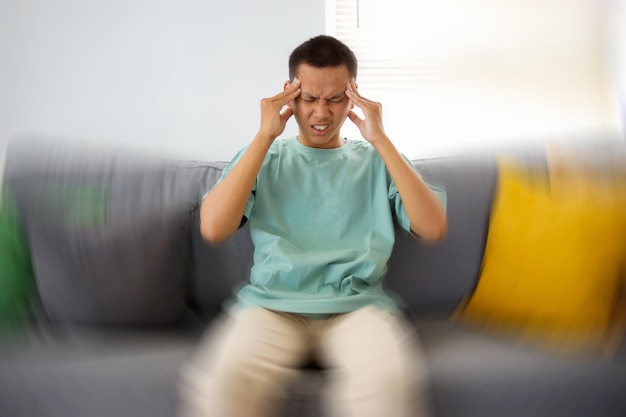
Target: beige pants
244,366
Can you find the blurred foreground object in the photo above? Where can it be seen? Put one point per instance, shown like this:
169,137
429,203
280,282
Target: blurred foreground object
16,273
107,231
554,264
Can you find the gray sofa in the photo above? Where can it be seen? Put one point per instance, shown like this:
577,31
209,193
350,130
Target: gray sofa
126,286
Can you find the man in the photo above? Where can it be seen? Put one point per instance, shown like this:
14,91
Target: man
320,210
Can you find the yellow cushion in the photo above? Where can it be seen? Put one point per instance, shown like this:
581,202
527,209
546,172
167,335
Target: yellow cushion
552,264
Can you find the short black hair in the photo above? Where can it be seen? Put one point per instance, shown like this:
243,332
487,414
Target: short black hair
321,52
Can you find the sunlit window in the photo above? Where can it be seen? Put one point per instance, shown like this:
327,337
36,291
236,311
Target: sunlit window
457,74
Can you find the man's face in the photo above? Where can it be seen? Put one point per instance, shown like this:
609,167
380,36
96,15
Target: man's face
322,106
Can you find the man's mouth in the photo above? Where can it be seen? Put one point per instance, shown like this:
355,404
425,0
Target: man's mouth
321,128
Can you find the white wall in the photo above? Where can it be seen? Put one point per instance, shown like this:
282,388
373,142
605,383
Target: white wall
184,77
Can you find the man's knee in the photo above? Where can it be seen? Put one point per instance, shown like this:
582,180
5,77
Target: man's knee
243,363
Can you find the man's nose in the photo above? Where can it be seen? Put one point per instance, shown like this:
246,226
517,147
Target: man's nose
321,107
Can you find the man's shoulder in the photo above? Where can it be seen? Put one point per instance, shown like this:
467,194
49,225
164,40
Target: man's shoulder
360,146
279,146
363,150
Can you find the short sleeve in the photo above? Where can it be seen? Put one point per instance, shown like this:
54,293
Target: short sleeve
225,172
398,206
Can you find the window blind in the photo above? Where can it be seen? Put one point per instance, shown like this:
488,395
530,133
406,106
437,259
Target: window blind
468,72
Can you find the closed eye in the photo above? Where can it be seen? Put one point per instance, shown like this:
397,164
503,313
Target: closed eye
334,100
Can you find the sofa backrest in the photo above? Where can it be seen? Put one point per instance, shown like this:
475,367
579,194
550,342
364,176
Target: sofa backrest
434,278
114,236
108,230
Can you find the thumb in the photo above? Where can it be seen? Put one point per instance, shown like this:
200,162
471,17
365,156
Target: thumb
287,113
355,118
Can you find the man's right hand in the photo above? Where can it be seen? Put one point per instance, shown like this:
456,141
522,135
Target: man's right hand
223,208
273,121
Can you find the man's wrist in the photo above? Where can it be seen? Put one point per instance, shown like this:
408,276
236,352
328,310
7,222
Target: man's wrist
381,141
264,138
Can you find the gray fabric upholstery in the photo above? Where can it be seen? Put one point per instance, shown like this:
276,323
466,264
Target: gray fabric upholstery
218,269
434,278
117,249
98,373
109,232
93,373
476,375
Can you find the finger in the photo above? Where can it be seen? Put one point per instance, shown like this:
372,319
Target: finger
354,95
295,84
349,88
290,92
292,88
284,98
353,88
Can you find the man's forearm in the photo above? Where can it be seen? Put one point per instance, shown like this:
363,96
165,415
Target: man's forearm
425,210
223,208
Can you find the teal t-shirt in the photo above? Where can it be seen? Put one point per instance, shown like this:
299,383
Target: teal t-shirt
321,221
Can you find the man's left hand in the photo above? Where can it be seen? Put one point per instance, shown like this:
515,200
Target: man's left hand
371,126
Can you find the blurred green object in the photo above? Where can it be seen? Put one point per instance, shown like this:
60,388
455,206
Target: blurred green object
16,272
75,206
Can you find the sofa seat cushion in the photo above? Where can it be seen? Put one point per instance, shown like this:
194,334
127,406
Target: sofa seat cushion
478,375
102,372
96,373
